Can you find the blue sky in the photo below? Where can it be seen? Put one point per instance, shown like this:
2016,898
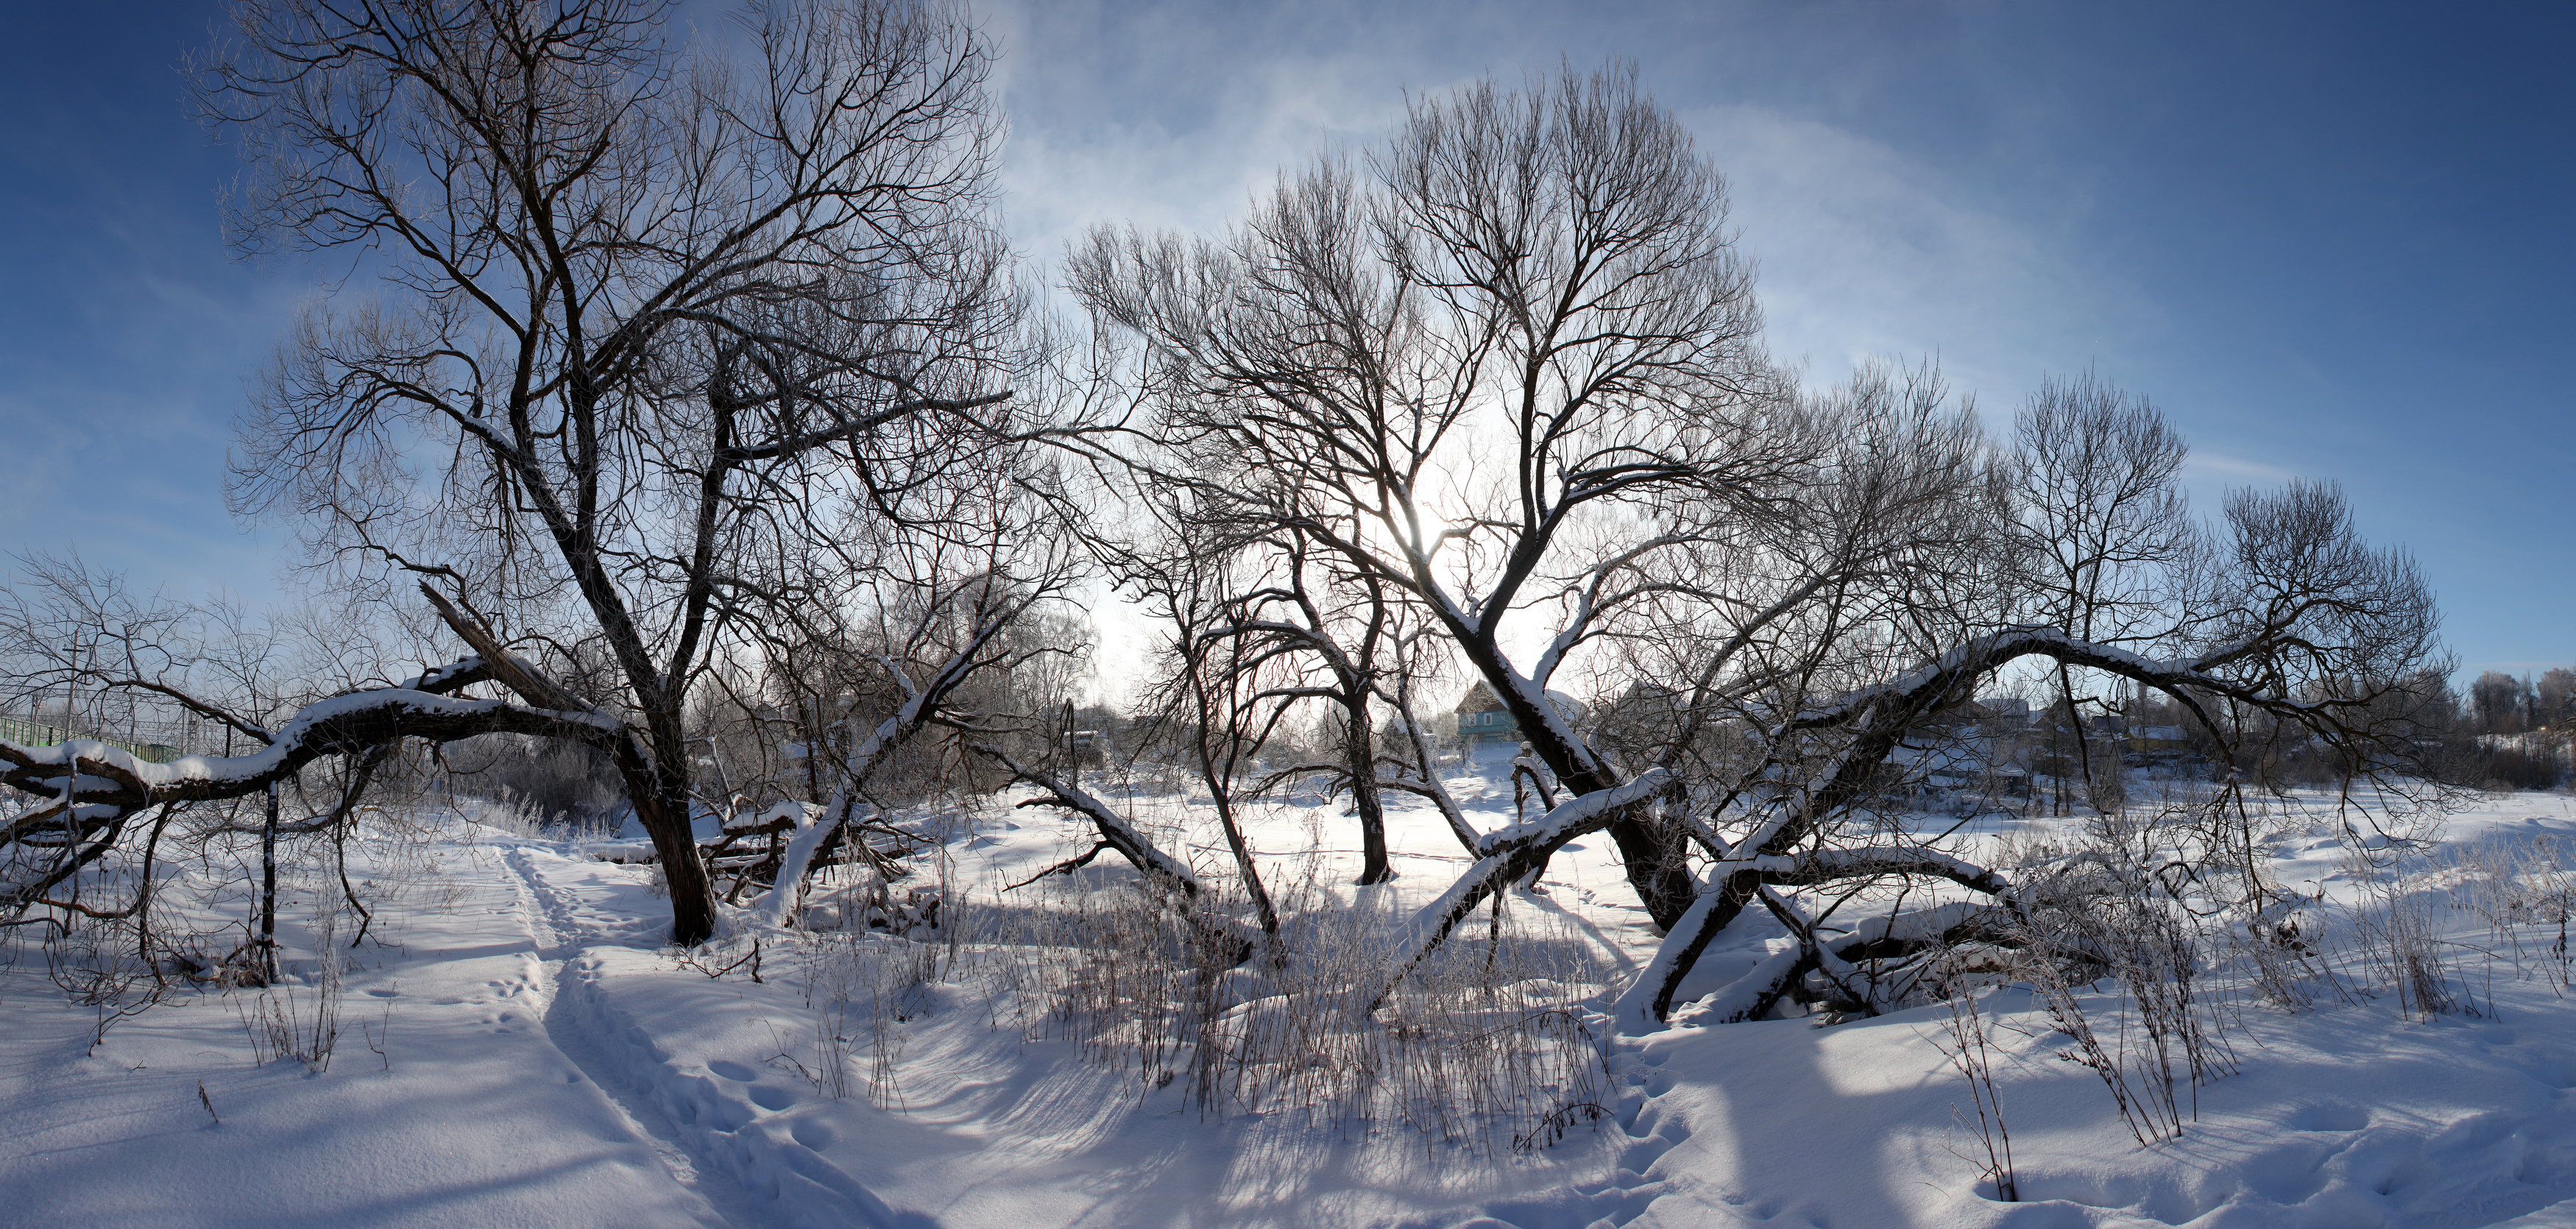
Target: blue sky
2329,240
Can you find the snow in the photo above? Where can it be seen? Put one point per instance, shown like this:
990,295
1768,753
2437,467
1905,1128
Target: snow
479,1114
545,1062
779,902
2348,1119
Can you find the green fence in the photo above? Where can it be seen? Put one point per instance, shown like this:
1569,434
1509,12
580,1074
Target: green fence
30,733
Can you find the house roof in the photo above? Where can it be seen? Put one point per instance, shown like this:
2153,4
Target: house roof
1481,699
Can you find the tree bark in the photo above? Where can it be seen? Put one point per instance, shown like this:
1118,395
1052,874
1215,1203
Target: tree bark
1366,801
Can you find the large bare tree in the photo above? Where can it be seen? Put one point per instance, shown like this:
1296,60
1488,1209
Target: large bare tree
643,327
1509,371
1526,320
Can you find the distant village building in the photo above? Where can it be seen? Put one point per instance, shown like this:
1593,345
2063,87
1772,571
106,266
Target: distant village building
2003,710
2156,740
1482,718
1974,765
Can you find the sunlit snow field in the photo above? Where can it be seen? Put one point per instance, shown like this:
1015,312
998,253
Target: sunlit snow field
515,1048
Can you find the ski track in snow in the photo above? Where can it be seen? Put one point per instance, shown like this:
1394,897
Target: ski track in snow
472,1117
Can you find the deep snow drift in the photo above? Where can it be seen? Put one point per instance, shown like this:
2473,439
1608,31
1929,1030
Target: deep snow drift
517,1051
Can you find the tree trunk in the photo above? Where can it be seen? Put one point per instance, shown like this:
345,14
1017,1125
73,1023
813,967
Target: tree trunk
675,845
1361,746
1650,851
268,892
660,794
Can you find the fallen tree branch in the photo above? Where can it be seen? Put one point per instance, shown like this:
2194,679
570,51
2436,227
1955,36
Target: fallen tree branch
89,788
1507,855
99,774
1115,831
1753,995
1881,716
513,671
1066,867
920,709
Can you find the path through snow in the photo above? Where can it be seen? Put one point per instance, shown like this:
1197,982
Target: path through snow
474,1116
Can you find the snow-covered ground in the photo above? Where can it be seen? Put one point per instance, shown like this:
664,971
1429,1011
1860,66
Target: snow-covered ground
519,1051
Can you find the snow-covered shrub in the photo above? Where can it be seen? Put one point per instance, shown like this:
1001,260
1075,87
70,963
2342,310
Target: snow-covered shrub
284,1024
561,781
510,815
2393,933
179,912
2098,908
2525,892
870,955
1493,1040
862,986
1969,1045
2279,958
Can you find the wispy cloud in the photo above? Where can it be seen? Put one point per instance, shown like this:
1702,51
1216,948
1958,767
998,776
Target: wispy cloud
1175,116
2206,466
1868,252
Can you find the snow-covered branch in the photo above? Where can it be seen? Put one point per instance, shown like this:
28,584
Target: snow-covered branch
1113,827
89,789
1735,882
918,711
1507,855
1646,1003
101,774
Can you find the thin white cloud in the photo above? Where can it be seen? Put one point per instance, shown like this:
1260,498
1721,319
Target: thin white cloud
2515,668
1175,129
1177,118
2206,466
1869,252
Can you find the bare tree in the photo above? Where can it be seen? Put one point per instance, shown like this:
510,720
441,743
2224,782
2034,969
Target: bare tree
1509,371
2300,624
2554,698
2101,521
642,319
2496,698
1310,635
2102,518
1527,321
932,660
720,406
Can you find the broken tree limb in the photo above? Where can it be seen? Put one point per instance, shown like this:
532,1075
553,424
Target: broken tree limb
1066,867
95,773
921,707
772,908
1824,865
447,680
1648,1001
1114,829
1749,997
1238,941
89,788
1880,716
512,670
1646,1004
1507,855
